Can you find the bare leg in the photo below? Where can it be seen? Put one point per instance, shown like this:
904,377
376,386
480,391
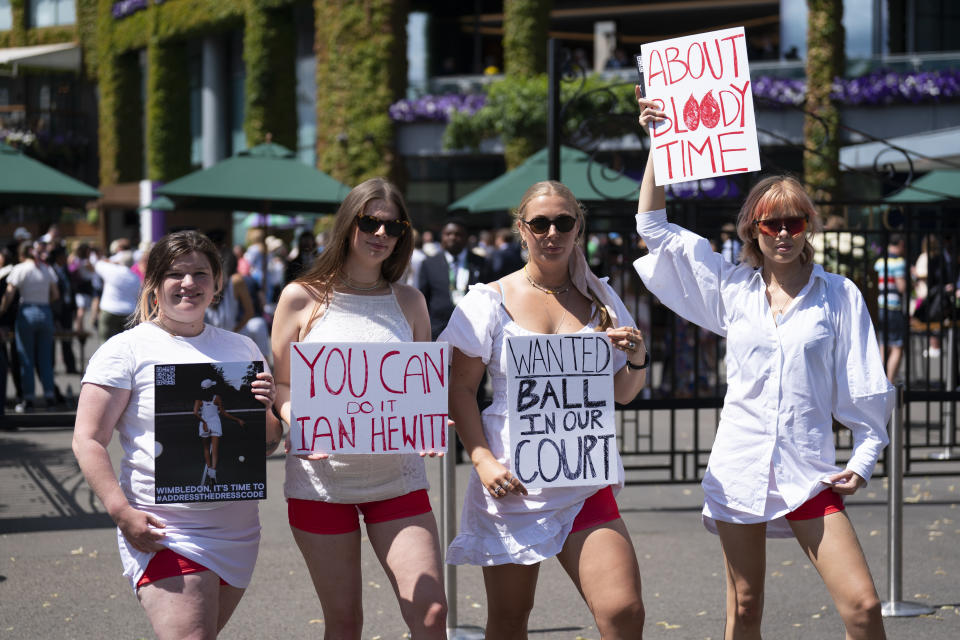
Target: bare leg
409,550
193,606
510,595
603,566
832,546
204,445
893,357
214,451
334,565
745,557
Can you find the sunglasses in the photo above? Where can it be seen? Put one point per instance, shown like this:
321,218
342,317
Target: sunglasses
773,226
371,224
541,224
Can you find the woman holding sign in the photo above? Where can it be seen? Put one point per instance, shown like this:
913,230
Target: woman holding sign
506,528
189,563
800,351
353,293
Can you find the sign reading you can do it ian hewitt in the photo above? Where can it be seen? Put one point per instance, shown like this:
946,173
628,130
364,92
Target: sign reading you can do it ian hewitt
368,397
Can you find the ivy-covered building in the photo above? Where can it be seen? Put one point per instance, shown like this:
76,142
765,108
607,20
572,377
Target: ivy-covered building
183,84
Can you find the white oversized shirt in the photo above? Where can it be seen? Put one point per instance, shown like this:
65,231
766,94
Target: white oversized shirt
774,444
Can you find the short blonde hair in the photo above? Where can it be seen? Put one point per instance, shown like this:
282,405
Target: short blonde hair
774,197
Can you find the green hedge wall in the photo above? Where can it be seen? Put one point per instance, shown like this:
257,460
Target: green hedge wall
269,52
825,61
120,128
168,110
361,71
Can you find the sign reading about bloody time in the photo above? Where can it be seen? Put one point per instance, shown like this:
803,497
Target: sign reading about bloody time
368,397
702,82
561,411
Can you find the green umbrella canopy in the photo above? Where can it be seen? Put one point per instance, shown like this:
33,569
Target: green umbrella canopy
589,181
24,180
265,178
944,185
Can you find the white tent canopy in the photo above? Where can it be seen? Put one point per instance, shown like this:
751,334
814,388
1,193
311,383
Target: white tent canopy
63,56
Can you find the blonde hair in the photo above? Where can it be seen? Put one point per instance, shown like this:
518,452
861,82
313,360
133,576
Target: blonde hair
554,188
776,196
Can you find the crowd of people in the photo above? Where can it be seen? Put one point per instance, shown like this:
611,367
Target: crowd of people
801,351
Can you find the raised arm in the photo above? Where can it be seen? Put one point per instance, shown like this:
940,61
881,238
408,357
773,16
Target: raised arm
652,197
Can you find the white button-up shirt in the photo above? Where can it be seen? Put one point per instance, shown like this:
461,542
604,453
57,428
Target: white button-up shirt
774,444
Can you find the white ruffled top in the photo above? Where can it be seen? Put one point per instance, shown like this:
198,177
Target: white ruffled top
516,529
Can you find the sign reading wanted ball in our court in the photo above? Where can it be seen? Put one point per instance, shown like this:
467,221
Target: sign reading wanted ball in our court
368,397
561,411
702,82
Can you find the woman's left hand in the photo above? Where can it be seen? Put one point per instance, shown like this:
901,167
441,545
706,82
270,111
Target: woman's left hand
846,482
263,389
431,453
629,340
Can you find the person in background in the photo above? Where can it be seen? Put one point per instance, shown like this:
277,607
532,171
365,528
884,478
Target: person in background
121,287
506,528
801,353
412,276
188,563
81,281
36,284
446,276
506,256
64,309
891,289
235,310
353,290
730,245
302,257
6,328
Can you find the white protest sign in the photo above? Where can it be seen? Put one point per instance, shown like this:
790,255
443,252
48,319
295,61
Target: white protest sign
368,397
703,84
560,395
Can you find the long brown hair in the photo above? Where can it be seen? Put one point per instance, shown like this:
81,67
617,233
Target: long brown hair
162,255
774,197
554,188
329,264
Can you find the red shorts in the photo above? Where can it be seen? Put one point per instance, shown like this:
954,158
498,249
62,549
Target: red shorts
599,508
824,503
329,518
167,564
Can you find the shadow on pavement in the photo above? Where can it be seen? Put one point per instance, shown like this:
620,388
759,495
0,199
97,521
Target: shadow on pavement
42,489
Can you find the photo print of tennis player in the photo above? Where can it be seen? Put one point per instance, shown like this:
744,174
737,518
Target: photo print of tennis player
208,408
210,401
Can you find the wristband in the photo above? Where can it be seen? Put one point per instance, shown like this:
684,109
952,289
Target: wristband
644,365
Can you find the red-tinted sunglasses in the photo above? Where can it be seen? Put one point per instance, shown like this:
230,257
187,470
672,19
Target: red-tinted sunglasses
773,226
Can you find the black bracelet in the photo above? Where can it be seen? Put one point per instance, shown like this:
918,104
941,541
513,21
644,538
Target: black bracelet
638,367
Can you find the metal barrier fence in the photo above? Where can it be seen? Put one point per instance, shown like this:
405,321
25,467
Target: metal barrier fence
667,432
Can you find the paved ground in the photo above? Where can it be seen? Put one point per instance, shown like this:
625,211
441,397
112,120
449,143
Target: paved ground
60,572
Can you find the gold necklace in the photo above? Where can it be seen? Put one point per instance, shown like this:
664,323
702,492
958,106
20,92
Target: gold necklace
376,284
536,285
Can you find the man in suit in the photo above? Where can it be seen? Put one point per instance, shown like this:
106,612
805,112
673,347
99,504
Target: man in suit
445,277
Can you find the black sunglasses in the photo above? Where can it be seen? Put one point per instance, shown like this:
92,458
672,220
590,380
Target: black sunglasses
541,224
371,224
